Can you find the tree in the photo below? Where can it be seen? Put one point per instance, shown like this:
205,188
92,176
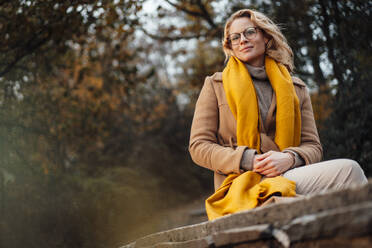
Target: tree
75,93
350,53
89,130
66,74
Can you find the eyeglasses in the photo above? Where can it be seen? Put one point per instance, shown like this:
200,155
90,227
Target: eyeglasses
249,33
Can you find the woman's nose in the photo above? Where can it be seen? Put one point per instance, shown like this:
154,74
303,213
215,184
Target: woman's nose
243,39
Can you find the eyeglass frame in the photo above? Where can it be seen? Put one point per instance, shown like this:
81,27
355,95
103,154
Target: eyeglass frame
240,35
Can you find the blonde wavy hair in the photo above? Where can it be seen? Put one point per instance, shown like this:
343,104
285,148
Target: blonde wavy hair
277,47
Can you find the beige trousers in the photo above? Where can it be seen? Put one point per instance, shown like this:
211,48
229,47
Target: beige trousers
322,176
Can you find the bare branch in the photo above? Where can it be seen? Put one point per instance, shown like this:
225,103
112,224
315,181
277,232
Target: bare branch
174,38
29,49
190,12
206,14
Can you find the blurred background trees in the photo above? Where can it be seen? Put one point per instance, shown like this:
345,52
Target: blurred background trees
97,98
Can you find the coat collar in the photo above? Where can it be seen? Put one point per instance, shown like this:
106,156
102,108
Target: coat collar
217,77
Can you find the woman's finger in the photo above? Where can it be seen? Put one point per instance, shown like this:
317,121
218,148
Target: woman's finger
268,169
263,162
273,174
263,168
264,155
260,165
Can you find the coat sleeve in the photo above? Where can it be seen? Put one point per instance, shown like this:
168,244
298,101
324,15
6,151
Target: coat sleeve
203,147
310,149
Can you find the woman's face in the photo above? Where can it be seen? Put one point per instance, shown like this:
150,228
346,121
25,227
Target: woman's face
251,50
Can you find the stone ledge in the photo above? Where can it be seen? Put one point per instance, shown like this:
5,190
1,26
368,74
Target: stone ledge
323,216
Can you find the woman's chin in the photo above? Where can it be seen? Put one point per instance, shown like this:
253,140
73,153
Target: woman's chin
252,60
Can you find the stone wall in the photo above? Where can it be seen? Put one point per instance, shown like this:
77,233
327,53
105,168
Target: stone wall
331,219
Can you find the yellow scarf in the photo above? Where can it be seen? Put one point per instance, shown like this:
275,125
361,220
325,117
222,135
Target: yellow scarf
242,99
247,190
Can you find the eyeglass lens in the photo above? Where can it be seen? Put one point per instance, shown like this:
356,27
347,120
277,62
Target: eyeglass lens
248,33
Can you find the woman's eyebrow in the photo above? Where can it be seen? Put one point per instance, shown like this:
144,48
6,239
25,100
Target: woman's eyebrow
243,30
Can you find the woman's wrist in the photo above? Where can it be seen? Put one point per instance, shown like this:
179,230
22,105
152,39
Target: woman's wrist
292,159
298,160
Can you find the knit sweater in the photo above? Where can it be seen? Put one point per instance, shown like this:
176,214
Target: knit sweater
264,91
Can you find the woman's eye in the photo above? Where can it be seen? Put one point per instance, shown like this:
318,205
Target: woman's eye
235,37
249,32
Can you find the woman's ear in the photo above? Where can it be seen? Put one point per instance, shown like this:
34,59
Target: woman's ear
268,42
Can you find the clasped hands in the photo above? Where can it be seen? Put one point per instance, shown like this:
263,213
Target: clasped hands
272,163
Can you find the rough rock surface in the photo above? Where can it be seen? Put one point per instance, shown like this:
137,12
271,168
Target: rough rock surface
331,219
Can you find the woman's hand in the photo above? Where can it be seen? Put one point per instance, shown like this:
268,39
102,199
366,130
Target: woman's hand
272,164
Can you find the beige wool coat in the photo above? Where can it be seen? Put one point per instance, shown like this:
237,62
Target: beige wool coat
213,142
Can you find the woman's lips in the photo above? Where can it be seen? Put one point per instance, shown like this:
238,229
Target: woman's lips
245,49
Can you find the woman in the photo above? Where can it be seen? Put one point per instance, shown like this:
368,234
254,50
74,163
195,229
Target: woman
256,117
